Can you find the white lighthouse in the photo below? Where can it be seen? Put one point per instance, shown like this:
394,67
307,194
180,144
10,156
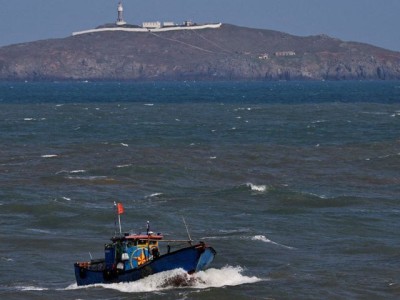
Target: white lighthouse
120,19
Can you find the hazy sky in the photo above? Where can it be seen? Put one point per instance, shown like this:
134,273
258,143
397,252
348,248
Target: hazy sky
375,22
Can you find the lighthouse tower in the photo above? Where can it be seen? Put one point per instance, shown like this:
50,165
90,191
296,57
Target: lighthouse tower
120,19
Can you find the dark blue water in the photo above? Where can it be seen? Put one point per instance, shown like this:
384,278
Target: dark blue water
296,185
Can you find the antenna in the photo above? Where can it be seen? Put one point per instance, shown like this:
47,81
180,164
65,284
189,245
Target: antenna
187,230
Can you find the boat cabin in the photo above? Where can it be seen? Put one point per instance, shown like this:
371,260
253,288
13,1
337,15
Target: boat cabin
131,251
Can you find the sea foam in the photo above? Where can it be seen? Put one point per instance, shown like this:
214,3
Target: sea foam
264,239
31,288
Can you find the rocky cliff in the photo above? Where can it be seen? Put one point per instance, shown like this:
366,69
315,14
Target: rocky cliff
227,53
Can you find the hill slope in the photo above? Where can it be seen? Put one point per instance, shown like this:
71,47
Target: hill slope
229,52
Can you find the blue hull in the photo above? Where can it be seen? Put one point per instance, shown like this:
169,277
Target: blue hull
191,259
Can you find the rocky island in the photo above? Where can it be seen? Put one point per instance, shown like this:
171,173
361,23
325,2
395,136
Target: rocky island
218,52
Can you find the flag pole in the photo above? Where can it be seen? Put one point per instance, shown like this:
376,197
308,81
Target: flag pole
119,210
115,218
119,221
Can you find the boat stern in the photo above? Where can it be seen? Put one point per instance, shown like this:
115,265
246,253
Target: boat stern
87,273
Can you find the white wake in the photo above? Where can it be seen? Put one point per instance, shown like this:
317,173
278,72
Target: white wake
178,278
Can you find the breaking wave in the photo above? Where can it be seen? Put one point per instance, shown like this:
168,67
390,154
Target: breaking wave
124,166
7,259
257,188
178,278
154,195
77,171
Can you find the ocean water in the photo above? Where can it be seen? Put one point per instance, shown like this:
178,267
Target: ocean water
296,185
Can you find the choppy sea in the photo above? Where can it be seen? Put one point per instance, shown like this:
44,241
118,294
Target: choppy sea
295,184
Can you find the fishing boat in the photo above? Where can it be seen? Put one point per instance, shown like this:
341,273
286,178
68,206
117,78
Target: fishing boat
130,257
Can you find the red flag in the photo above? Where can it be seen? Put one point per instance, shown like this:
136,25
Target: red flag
120,208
